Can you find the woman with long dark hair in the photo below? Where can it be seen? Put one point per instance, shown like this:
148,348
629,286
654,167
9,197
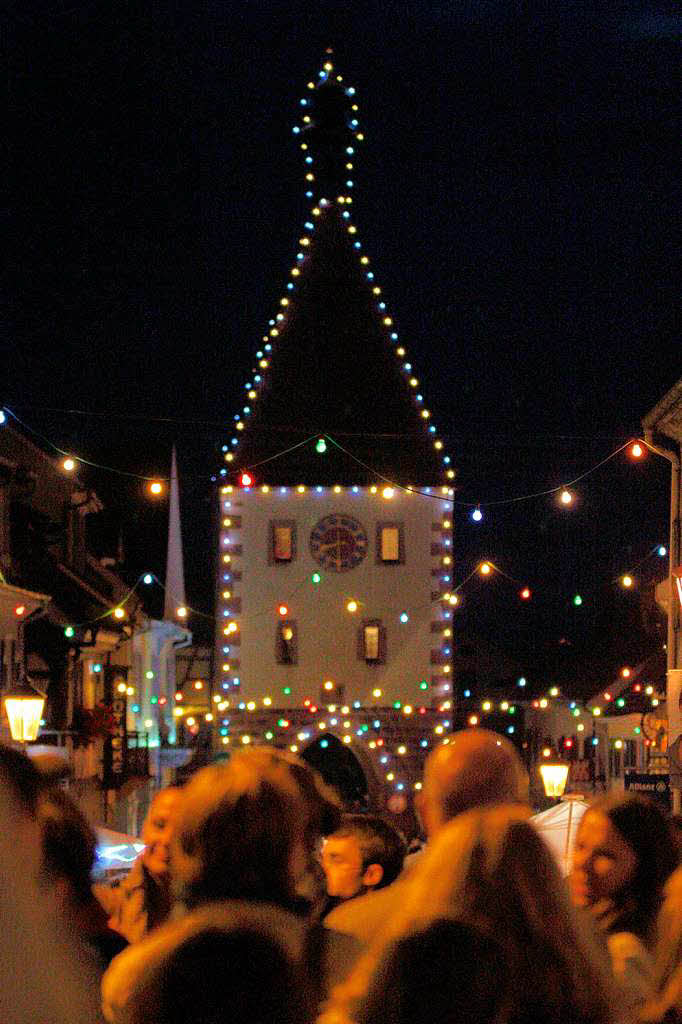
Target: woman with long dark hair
623,856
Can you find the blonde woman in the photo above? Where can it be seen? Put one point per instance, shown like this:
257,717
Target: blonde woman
489,908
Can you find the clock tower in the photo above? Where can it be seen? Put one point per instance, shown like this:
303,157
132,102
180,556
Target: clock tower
335,558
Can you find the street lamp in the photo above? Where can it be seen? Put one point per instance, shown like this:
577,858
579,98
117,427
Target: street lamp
554,777
24,706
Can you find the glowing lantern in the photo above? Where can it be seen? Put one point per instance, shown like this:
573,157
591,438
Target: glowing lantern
554,777
24,707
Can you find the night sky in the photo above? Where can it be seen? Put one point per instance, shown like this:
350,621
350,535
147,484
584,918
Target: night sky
517,194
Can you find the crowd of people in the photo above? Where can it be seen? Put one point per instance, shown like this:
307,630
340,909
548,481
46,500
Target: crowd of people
257,898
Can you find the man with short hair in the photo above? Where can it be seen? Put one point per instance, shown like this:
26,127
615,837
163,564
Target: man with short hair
476,768
364,853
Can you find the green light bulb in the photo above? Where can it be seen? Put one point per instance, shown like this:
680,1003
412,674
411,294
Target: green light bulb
321,446
316,577
69,631
577,600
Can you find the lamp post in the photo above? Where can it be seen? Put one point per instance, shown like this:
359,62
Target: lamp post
24,707
554,777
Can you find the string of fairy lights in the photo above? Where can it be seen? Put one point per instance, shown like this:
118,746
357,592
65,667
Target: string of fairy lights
359,721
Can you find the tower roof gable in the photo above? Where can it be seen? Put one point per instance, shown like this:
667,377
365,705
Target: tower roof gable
332,362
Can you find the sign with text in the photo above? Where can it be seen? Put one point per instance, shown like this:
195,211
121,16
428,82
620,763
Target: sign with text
651,784
116,744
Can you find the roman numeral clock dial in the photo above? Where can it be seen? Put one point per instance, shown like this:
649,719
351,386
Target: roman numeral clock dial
338,543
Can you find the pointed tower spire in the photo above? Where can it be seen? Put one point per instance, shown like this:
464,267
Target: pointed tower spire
332,373
175,573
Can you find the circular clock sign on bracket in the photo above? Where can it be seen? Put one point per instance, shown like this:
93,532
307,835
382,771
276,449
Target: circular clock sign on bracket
338,542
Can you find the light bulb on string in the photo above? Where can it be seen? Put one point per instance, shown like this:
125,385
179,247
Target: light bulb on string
662,551
485,568
351,606
577,600
636,450
181,611
321,446
627,581
245,479
566,496
68,464
476,514
525,594
148,579
155,488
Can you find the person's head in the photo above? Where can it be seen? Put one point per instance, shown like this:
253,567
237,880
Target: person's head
323,807
477,768
157,832
488,869
68,847
454,963
221,969
23,783
624,853
364,853
22,777
240,833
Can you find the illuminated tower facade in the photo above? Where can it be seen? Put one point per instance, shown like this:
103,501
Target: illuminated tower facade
335,508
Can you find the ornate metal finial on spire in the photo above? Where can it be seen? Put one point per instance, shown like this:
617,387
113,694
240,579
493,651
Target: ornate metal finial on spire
329,133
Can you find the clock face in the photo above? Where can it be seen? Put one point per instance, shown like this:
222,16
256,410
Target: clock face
338,543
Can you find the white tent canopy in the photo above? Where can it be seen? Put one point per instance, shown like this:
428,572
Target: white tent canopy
558,826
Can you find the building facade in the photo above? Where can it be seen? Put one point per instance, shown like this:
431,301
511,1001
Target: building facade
335,580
